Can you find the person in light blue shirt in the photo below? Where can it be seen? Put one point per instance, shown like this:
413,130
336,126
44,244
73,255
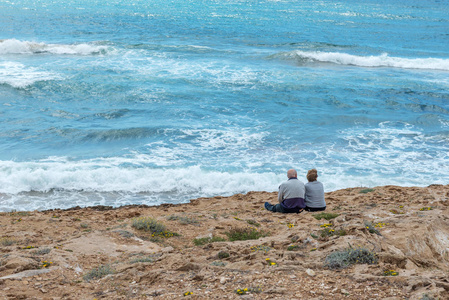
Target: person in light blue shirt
314,196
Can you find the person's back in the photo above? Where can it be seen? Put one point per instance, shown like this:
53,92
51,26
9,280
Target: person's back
314,196
290,196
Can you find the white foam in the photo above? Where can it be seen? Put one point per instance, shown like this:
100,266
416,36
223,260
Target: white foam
13,46
122,174
383,60
18,75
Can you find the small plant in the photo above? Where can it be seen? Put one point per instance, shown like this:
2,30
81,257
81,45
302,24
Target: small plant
84,225
371,228
396,212
253,222
19,213
30,247
218,263
243,234
326,225
293,248
187,294
260,248
142,260
380,224
183,220
327,232
98,273
42,251
391,273
313,249
241,291
326,216
366,191
208,240
46,264
426,208
125,233
314,236
5,241
270,263
290,225
148,224
223,254
345,258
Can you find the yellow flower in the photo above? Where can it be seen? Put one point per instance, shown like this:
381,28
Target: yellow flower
267,259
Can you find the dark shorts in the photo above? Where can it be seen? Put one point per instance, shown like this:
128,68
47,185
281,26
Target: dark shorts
281,209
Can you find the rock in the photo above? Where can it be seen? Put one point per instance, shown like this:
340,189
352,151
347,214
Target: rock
27,273
310,272
19,263
223,280
189,267
167,249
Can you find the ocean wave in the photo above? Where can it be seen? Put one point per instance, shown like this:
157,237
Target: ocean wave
13,46
383,60
118,175
18,75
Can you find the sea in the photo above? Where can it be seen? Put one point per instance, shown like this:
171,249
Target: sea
118,102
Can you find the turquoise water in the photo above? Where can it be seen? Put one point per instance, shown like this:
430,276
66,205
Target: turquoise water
128,102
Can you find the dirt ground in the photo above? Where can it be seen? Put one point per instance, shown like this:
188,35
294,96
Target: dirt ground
99,252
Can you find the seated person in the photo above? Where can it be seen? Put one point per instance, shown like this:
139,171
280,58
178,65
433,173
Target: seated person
314,198
290,196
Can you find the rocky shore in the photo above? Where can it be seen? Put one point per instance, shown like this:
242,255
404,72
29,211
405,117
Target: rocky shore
385,242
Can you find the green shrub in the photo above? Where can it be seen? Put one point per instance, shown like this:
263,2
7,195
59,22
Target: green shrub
260,248
293,248
183,220
148,224
327,232
371,228
253,222
42,251
223,254
243,234
5,241
218,263
366,191
208,240
326,216
98,273
142,260
348,257
125,233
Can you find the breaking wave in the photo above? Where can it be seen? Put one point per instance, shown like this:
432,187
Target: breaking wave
383,60
13,46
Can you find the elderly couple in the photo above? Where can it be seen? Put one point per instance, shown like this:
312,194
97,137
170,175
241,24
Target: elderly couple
294,196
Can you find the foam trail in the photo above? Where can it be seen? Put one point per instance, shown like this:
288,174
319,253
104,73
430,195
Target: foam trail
18,75
371,61
13,46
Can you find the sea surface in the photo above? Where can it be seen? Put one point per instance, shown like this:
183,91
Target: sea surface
118,102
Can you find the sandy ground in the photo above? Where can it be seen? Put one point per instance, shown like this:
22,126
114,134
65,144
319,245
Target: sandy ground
97,253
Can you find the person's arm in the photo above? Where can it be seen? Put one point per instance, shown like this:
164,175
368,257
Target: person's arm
281,194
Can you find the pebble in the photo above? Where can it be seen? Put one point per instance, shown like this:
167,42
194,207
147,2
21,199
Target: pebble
343,291
310,272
